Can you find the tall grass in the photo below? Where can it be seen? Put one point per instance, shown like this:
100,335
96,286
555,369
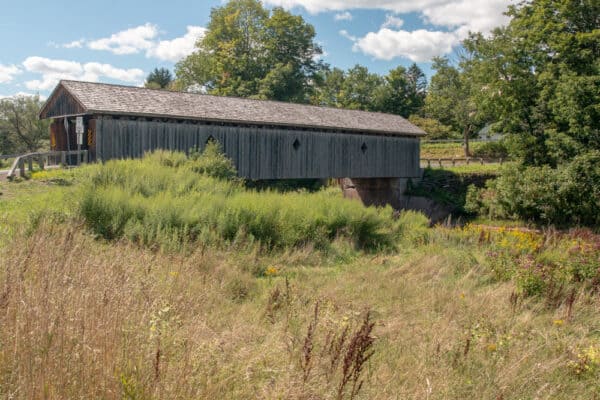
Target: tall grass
167,200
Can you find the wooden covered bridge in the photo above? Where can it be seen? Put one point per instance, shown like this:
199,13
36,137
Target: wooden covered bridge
265,139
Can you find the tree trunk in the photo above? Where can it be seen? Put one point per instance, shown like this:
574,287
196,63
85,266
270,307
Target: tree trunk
466,134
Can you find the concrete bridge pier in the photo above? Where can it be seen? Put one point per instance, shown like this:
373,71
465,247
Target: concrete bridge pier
376,191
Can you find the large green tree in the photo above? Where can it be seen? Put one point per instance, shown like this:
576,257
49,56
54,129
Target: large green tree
450,100
20,128
249,51
402,92
540,77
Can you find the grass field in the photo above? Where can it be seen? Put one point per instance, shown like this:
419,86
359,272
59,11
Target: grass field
438,313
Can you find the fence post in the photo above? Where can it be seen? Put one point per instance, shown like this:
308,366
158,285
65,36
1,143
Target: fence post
30,163
63,158
468,160
21,167
453,161
440,161
481,160
501,160
40,161
428,163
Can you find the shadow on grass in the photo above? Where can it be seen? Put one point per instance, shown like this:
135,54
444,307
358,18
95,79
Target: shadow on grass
287,185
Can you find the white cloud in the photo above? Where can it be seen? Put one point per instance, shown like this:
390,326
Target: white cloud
348,36
391,21
8,72
458,16
129,41
418,46
75,44
469,15
53,71
343,16
477,15
176,49
316,6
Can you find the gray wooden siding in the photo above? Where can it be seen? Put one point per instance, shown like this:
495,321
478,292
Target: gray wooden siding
266,153
61,103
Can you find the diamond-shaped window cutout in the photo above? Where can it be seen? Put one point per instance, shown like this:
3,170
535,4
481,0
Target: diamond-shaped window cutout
296,144
363,148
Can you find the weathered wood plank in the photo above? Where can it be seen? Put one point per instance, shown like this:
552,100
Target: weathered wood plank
263,153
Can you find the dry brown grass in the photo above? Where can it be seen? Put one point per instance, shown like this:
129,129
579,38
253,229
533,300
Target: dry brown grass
82,318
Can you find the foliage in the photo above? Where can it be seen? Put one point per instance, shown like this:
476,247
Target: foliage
565,196
491,150
401,91
539,78
159,78
20,128
237,323
450,101
165,200
478,297
212,162
249,51
449,187
434,128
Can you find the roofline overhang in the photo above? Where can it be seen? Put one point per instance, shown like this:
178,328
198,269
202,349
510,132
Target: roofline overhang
247,122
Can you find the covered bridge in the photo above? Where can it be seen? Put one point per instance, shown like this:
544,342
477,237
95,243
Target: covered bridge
265,139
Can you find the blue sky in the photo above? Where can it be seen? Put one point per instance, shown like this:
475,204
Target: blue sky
121,41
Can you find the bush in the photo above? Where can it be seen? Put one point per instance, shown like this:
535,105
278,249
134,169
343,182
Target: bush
565,196
491,150
212,162
163,201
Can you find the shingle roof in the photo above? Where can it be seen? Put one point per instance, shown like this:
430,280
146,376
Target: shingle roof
127,100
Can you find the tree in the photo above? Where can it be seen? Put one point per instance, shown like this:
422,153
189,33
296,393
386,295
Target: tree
20,128
160,78
434,128
403,91
450,101
359,89
540,77
251,52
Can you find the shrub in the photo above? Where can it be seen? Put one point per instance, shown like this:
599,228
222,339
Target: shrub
565,196
212,162
163,201
491,150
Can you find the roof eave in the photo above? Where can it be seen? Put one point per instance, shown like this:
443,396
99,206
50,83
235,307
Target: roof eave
248,122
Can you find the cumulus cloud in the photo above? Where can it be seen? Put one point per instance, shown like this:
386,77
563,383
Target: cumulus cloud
53,71
145,38
418,46
174,50
468,15
343,16
129,41
8,72
316,6
454,19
